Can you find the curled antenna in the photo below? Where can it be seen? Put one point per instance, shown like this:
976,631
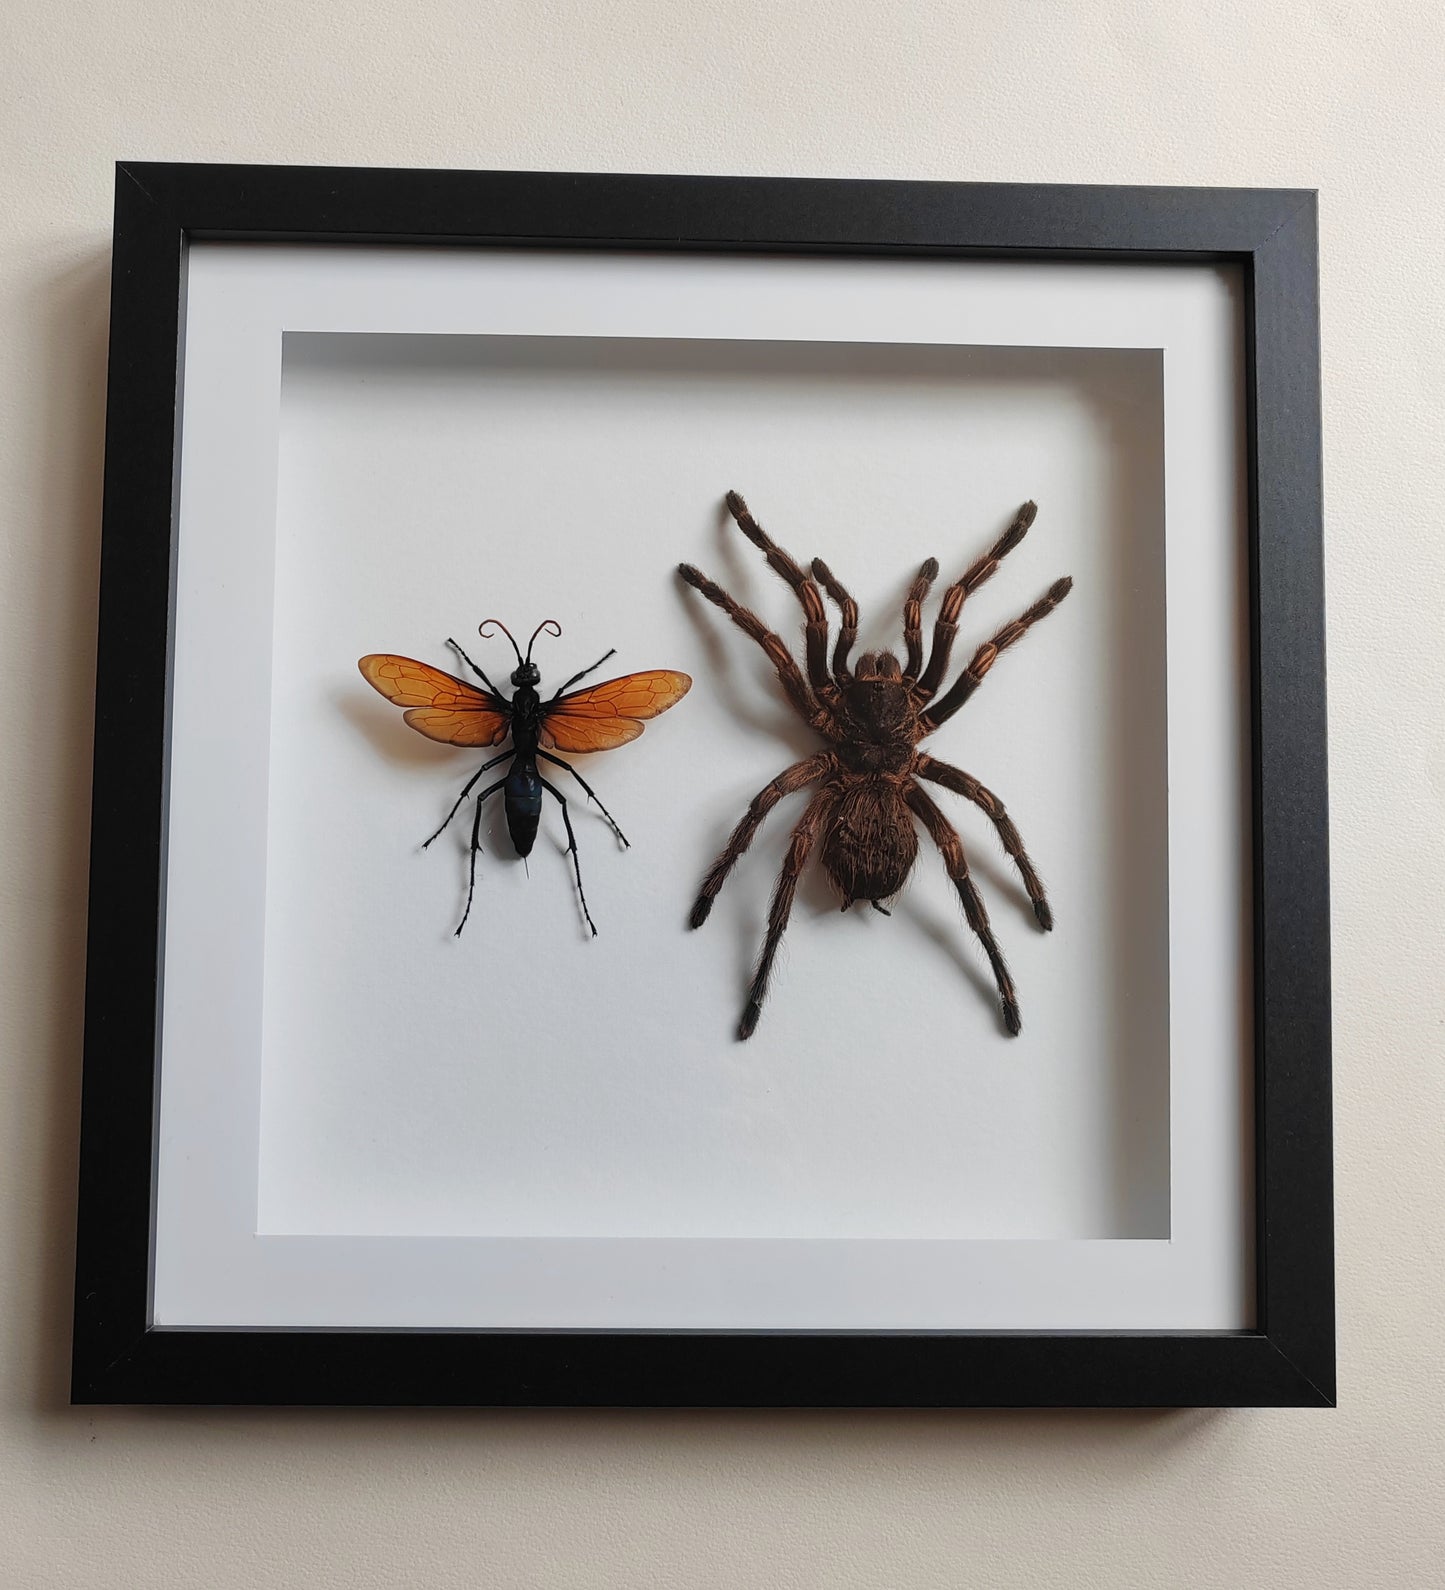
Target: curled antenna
551,626
483,629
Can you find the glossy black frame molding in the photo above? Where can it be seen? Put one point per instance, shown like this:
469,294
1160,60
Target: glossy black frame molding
1271,235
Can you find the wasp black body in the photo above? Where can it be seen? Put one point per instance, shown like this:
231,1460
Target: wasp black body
448,709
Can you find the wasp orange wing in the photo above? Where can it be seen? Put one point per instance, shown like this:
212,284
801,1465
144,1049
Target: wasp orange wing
611,713
440,707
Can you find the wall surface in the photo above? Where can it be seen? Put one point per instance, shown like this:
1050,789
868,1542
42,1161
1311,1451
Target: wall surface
1342,95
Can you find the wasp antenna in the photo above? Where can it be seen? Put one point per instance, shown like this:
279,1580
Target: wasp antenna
551,626
482,629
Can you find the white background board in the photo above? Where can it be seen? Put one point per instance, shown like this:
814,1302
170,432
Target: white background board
543,460
526,1081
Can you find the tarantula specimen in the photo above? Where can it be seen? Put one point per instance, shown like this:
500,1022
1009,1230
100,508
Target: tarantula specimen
873,716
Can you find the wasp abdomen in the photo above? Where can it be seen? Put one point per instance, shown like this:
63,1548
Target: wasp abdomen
524,804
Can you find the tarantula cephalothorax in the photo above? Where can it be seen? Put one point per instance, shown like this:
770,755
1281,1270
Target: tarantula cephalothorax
873,717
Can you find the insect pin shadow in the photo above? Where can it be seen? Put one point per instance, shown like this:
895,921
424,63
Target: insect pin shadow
455,712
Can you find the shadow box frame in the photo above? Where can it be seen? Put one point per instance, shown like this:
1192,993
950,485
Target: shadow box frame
1270,236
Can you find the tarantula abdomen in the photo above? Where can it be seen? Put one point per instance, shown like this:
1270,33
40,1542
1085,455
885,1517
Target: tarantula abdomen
870,846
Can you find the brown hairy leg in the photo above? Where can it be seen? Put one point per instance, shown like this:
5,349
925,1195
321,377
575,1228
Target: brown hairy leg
789,673
942,833
810,825
965,784
815,630
987,655
848,614
789,780
946,625
913,617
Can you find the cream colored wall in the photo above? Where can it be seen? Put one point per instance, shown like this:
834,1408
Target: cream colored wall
1339,94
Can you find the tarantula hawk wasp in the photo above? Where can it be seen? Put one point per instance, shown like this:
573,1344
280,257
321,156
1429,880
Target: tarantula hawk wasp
454,712
873,717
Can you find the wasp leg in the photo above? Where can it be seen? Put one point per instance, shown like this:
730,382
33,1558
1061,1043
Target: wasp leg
491,789
591,793
477,671
467,789
572,848
575,677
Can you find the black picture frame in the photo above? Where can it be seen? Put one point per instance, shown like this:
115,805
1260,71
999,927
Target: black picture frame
1271,234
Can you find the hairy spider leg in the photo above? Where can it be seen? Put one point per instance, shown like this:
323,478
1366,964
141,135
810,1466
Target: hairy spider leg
815,630
942,832
476,846
813,820
466,790
987,654
848,616
913,618
592,794
945,627
575,677
470,664
961,783
796,777
789,674
571,846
